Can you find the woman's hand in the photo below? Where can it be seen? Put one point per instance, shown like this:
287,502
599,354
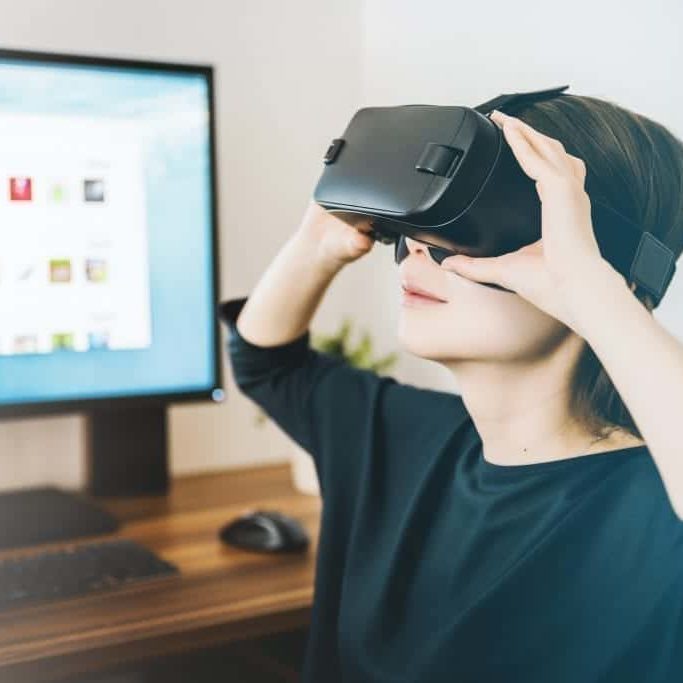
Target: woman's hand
340,238
567,255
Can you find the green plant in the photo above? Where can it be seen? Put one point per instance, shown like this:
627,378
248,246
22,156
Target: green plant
339,345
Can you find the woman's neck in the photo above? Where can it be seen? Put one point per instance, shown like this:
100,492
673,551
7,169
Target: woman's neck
522,412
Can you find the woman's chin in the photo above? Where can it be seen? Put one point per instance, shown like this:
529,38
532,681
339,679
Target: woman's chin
417,342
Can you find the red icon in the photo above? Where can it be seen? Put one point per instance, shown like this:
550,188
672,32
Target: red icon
20,189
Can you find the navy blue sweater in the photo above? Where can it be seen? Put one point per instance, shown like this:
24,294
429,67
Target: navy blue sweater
436,566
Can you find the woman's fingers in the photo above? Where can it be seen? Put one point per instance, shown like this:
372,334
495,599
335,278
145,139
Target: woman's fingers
546,147
532,163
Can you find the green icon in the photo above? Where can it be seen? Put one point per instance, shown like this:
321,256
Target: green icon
64,341
58,194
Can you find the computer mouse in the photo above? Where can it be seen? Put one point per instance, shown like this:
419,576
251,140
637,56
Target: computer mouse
265,531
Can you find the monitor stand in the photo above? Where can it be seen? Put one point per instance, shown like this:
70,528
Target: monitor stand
127,450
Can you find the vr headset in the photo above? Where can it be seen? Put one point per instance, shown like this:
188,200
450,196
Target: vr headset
446,176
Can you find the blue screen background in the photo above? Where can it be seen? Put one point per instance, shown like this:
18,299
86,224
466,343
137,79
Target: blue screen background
178,189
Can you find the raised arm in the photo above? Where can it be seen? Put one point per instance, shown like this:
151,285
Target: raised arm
286,297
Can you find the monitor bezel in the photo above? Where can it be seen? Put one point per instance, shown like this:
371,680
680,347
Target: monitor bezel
90,404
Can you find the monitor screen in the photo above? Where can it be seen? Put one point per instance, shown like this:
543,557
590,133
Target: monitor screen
107,230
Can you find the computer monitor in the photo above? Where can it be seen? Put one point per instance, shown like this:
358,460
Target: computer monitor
108,251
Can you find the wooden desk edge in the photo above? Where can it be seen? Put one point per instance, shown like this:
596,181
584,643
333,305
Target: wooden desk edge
130,651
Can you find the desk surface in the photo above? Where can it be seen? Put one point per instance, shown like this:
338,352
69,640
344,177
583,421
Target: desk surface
224,593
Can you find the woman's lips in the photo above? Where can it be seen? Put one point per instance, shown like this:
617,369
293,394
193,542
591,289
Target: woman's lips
411,297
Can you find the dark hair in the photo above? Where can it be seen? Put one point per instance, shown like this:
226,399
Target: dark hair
634,165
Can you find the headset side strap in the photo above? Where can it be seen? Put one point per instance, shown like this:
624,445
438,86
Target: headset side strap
638,255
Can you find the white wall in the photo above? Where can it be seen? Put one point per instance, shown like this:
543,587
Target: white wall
293,73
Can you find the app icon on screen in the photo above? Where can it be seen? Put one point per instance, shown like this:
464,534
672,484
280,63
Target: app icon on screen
20,189
96,270
57,193
60,270
26,343
93,190
27,272
98,340
63,341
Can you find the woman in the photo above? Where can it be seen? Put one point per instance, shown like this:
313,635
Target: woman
529,529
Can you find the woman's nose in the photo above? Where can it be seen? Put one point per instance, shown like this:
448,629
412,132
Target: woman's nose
411,244
407,246
415,247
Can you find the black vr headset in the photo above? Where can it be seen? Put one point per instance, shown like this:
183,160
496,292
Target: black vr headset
446,176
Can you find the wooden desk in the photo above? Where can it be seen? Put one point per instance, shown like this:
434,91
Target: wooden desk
224,593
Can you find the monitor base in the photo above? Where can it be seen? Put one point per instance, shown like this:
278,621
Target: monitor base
127,450
33,516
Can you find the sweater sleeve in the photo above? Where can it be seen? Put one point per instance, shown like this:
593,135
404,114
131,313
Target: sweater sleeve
335,411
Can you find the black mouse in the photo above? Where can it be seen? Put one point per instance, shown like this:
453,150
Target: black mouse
266,531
